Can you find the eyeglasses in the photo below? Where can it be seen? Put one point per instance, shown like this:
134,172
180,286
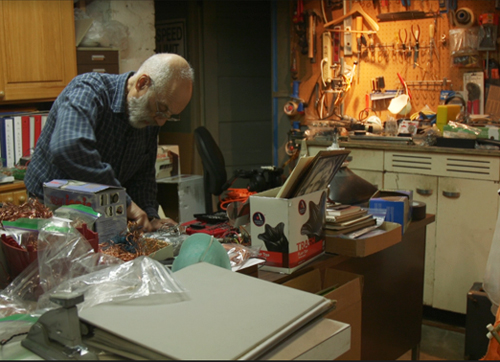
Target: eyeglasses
162,116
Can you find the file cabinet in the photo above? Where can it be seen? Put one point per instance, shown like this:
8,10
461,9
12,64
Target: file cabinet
100,60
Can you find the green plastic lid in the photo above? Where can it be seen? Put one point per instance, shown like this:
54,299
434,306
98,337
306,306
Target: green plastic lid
199,248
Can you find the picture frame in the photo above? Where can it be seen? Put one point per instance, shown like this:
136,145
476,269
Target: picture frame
319,172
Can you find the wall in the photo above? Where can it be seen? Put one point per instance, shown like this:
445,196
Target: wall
138,17
382,60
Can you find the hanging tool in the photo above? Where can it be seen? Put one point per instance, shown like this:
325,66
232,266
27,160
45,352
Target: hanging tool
359,26
406,3
432,43
403,41
416,36
473,95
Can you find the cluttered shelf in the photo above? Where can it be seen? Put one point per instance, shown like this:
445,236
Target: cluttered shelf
13,192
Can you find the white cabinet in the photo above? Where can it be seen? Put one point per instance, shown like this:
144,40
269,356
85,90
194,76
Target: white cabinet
461,191
425,190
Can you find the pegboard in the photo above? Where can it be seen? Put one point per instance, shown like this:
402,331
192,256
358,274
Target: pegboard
385,58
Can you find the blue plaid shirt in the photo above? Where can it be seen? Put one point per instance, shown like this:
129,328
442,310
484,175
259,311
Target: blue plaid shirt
87,137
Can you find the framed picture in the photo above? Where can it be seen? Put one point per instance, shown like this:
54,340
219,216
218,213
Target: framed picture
319,173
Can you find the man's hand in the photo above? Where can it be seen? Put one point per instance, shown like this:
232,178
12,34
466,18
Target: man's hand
135,213
158,223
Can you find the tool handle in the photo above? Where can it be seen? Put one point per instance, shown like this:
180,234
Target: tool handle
359,26
431,31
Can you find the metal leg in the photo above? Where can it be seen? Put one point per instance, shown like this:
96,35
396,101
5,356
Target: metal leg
415,352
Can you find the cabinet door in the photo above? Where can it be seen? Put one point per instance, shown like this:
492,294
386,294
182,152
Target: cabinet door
37,49
465,226
424,190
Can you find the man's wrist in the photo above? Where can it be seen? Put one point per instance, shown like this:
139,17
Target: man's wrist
151,218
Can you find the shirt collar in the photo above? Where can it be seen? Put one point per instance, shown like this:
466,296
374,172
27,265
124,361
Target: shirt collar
120,98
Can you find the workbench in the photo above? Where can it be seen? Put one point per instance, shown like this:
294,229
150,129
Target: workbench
392,297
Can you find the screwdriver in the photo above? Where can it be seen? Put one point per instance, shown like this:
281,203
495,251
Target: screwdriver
359,27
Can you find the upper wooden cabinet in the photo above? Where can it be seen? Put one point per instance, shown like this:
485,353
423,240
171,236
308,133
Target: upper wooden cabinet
37,49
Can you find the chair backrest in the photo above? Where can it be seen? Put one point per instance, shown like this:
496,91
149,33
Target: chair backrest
214,167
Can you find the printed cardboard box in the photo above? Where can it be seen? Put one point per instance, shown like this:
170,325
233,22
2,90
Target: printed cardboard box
108,201
289,232
346,289
398,204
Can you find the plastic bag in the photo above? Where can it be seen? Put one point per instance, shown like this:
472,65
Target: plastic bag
78,214
239,254
126,282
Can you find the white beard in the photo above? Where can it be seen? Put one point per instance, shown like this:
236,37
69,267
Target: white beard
138,112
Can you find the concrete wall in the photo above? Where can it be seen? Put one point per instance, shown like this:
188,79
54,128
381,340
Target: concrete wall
136,19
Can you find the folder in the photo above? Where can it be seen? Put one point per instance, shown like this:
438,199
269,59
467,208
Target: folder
224,315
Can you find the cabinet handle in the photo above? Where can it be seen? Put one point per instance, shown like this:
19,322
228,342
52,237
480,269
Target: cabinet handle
22,199
98,57
451,194
424,192
2,94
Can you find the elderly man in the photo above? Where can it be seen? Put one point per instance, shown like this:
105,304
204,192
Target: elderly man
103,128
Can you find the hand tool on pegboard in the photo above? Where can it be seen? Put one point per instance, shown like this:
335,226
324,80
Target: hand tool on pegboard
406,3
416,35
359,37
473,96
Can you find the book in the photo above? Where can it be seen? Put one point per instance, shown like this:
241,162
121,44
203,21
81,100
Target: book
349,229
38,126
9,142
32,132
26,129
342,210
3,143
333,225
345,217
193,325
18,139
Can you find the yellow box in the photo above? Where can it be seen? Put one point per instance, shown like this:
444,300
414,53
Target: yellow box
445,113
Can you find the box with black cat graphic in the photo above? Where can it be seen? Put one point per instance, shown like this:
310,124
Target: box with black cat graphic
289,232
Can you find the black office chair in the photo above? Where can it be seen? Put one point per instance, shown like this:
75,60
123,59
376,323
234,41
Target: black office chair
215,179
214,167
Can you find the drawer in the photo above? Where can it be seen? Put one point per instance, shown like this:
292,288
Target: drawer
448,165
99,68
372,160
97,56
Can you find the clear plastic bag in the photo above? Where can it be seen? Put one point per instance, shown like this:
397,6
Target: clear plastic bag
239,254
66,262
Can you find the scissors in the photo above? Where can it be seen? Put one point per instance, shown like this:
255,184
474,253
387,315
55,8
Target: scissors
416,35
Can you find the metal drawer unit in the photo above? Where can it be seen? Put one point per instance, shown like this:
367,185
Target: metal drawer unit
101,60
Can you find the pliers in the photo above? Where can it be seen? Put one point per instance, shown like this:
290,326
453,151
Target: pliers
416,36
403,41
406,3
474,93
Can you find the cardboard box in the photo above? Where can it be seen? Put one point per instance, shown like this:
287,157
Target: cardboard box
109,201
168,162
181,197
388,234
398,204
346,289
288,231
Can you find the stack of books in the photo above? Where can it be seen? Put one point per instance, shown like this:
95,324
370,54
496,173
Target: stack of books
343,219
19,133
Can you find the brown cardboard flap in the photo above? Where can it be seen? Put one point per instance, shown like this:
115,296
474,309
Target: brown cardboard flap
308,282
364,246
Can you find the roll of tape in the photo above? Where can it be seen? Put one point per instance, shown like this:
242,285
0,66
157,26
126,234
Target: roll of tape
464,18
418,210
291,108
